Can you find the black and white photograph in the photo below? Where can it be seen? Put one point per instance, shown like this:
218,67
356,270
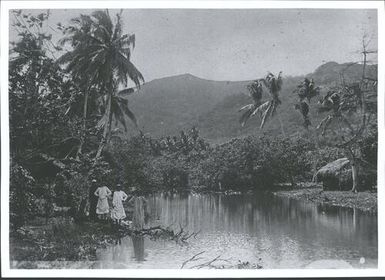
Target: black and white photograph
192,138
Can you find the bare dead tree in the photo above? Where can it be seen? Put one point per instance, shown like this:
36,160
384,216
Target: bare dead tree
343,101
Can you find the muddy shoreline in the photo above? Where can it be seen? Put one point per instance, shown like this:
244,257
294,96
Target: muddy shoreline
364,201
59,240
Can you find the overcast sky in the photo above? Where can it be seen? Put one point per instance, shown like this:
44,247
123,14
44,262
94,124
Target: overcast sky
239,44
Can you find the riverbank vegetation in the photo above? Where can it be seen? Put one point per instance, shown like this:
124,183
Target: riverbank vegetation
365,201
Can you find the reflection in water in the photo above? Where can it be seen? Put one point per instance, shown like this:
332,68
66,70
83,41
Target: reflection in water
138,244
285,233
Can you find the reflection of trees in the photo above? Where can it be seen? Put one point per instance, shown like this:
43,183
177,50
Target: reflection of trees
274,217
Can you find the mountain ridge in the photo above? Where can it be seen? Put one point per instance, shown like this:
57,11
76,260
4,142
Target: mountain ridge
167,105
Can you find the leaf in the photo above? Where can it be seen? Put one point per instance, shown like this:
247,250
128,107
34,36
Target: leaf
261,109
266,113
246,115
102,122
126,68
126,91
130,114
248,106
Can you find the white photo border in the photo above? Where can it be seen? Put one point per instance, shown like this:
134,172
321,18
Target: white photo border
171,273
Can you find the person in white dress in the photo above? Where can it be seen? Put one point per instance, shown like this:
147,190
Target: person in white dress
102,208
118,213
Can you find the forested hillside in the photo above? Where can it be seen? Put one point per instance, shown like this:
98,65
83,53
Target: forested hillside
166,106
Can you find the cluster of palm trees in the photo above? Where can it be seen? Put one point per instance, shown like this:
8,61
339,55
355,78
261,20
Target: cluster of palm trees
267,109
99,60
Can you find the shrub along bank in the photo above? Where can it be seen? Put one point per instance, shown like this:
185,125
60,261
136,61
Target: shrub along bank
242,164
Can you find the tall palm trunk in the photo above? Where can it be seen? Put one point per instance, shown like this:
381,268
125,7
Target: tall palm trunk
353,164
282,127
84,126
109,124
316,161
107,127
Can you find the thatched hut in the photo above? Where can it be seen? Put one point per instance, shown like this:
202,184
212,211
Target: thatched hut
336,175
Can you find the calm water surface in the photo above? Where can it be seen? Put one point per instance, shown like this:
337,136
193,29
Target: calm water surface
271,231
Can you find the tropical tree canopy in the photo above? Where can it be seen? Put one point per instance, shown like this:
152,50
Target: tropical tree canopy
101,56
100,49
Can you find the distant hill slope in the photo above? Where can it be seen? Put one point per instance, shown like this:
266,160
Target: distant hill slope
332,72
166,106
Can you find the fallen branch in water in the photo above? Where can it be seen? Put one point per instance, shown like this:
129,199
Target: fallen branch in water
64,240
211,263
193,258
158,232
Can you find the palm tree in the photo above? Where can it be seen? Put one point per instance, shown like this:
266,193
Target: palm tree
267,109
274,85
77,61
119,111
306,91
255,90
102,53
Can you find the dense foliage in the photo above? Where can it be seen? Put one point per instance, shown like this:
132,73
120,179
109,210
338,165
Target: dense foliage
68,123
54,143
251,163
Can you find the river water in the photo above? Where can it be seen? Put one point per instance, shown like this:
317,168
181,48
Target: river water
270,231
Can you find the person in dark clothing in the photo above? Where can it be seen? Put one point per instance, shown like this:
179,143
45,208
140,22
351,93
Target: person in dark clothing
93,200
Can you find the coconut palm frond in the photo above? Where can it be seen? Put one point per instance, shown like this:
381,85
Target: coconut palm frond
267,109
307,90
248,106
118,26
261,109
117,111
130,115
279,81
266,113
102,122
122,110
126,91
255,90
104,21
101,55
126,68
247,114
127,40
119,118
273,84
